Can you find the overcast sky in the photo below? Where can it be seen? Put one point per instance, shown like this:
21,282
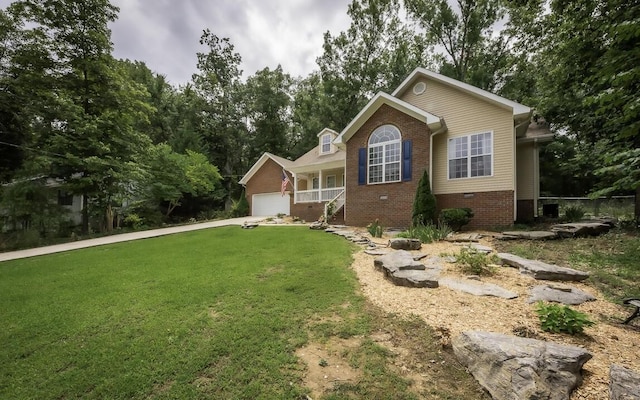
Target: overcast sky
165,33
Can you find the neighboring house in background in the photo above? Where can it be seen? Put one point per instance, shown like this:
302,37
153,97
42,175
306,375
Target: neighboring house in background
476,146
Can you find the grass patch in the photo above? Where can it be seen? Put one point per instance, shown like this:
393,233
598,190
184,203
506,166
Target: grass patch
216,313
611,259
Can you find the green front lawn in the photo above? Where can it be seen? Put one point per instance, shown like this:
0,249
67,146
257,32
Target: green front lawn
216,313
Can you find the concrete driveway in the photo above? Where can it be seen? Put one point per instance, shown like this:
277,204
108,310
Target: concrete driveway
125,237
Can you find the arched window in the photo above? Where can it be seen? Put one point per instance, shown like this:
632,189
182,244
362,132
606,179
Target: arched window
384,155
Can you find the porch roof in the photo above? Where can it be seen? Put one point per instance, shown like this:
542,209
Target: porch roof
313,161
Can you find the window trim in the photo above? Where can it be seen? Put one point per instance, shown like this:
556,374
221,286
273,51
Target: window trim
384,163
468,157
322,143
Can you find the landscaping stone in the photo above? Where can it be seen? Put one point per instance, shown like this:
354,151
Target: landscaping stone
531,235
375,252
319,225
477,288
414,278
397,261
542,271
624,384
559,294
405,244
463,237
580,229
511,367
480,248
249,225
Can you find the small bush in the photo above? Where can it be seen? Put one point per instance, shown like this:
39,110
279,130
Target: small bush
240,208
573,213
134,221
424,203
456,218
474,262
375,229
556,318
427,233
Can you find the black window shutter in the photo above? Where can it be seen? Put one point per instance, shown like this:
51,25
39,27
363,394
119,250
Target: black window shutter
406,160
362,166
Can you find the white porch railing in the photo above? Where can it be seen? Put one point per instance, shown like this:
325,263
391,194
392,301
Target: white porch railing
318,195
333,206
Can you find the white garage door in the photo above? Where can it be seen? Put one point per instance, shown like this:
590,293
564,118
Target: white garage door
269,204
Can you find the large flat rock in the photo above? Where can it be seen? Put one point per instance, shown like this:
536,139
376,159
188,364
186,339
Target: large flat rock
580,229
511,367
413,278
559,294
477,288
397,261
542,271
624,383
530,235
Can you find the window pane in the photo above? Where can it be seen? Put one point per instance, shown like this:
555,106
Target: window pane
375,155
326,143
375,173
481,166
385,133
392,172
458,168
392,152
331,181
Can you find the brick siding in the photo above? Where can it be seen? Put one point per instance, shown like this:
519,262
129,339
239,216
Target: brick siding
490,209
390,203
267,179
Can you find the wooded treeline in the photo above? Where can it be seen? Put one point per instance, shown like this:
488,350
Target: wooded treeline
138,148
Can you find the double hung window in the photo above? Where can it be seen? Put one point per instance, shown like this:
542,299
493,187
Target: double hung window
471,156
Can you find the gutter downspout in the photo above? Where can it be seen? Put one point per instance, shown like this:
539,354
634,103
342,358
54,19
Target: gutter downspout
443,128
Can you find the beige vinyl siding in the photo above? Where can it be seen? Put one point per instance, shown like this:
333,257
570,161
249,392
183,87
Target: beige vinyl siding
467,114
525,177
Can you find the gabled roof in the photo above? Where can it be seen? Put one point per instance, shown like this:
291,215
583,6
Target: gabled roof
374,104
520,111
327,130
312,160
283,162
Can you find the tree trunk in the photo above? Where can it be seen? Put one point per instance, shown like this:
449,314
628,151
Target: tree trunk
109,219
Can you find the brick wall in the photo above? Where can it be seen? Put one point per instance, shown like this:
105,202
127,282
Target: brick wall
491,209
267,179
391,203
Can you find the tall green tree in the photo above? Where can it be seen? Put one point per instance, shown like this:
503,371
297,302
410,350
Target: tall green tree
268,107
464,31
89,136
224,131
376,53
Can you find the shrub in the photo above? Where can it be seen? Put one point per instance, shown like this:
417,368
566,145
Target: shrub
240,208
456,218
573,213
424,204
556,318
375,229
474,262
427,233
134,221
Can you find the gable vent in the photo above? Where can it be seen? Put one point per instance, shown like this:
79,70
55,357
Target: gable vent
419,88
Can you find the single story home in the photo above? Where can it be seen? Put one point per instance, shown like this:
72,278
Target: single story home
480,150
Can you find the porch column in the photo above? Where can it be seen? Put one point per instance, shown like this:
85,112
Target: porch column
295,188
319,186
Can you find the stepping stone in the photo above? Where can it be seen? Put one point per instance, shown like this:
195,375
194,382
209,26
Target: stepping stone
531,235
405,244
580,229
559,294
373,252
477,288
624,383
542,271
480,248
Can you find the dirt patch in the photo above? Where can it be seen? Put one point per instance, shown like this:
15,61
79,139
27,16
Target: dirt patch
449,313
327,365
